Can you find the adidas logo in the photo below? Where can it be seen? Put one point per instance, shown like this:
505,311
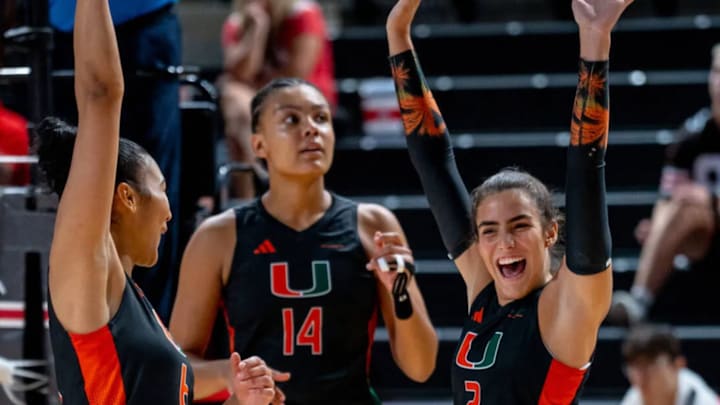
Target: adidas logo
264,248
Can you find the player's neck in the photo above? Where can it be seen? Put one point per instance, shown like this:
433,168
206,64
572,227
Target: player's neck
298,205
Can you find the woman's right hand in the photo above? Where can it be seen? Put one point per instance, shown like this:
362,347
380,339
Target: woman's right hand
251,381
398,25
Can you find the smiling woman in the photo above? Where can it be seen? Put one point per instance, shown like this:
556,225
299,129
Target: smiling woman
524,318
528,234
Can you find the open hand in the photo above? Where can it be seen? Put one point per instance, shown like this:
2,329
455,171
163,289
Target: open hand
252,380
598,15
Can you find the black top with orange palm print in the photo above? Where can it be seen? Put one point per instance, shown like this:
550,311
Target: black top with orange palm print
542,379
588,233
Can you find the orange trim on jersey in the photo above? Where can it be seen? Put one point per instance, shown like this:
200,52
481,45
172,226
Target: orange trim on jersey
184,389
561,384
478,315
228,326
220,396
100,367
372,324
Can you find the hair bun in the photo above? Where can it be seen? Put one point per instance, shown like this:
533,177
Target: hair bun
55,143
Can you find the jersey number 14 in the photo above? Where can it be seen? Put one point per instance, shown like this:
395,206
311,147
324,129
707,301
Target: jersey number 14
309,333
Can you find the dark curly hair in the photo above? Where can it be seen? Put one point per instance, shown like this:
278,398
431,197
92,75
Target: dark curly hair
55,142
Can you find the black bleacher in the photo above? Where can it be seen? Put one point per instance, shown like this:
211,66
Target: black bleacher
507,100
471,105
531,47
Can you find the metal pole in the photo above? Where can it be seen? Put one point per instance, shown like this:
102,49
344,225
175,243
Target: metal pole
40,63
34,333
40,90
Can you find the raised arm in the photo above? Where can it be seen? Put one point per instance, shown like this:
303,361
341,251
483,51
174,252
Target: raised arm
573,307
82,249
431,151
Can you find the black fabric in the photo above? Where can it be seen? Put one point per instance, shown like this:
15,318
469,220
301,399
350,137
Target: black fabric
698,151
401,298
151,364
589,245
501,351
316,281
588,232
434,162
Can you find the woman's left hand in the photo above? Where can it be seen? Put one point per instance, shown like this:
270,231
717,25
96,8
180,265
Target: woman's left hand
251,381
391,257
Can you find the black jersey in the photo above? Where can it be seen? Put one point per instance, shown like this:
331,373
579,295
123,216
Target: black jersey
304,302
131,360
697,152
501,358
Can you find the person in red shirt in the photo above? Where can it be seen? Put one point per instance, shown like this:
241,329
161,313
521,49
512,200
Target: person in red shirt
263,40
14,141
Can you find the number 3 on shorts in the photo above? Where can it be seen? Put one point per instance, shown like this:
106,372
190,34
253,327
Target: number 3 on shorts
474,388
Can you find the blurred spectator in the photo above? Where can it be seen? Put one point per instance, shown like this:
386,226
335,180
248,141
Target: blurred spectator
149,40
14,141
685,220
263,40
657,371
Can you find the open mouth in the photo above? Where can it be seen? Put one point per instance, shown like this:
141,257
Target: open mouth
511,267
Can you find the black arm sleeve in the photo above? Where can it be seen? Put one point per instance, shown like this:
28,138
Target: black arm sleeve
588,232
432,155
